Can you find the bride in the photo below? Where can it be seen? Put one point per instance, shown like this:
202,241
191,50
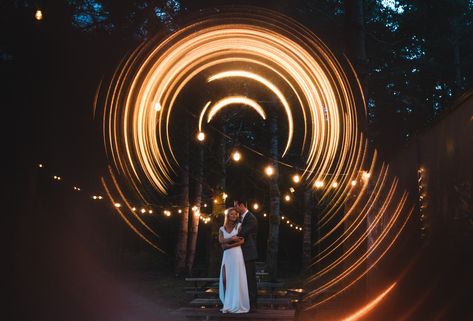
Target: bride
233,287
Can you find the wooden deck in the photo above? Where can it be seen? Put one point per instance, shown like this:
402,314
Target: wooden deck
274,301
191,313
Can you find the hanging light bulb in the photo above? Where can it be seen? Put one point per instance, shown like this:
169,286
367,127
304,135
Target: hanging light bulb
201,136
38,15
269,170
318,184
236,156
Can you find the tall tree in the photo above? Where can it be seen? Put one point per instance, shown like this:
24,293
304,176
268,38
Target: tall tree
307,209
194,224
182,236
355,37
274,199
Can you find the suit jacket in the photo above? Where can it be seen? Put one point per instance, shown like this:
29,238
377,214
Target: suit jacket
248,230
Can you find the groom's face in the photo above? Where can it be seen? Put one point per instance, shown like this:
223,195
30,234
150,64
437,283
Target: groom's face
239,207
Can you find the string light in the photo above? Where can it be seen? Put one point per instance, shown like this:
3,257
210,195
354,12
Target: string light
353,182
255,206
150,211
40,165
292,190
133,209
264,214
236,156
118,205
205,205
287,197
179,211
269,170
335,184
38,15
201,136
318,184
296,178
157,106
366,175
143,210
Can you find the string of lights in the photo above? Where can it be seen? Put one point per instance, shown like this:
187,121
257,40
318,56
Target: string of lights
169,210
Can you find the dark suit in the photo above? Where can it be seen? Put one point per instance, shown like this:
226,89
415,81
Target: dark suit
249,228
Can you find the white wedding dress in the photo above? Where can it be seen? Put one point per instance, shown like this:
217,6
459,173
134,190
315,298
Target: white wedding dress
234,296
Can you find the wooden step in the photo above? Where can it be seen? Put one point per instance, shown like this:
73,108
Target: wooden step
273,302
215,314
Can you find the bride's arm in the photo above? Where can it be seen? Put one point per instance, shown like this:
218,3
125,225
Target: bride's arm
223,240
226,246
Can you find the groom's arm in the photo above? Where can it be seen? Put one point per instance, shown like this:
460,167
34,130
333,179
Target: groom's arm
249,228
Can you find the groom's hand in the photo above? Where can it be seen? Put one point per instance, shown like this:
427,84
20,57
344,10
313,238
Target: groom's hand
236,238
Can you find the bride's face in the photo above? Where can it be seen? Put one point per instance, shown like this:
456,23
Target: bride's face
232,216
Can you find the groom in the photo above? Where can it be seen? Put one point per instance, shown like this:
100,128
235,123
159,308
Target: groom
249,227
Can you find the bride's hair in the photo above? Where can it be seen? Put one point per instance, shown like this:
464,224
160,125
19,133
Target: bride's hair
225,222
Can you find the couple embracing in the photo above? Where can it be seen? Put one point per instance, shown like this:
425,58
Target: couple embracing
237,236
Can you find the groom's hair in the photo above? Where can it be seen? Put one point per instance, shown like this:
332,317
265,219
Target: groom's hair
241,200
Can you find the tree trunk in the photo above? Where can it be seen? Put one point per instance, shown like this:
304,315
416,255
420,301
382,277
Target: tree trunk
456,57
215,251
355,37
181,247
307,229
355,46
194,226
274,198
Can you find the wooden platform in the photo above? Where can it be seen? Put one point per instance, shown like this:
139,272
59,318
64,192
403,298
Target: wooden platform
215,314
286,302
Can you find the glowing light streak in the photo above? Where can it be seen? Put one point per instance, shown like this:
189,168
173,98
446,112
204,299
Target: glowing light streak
270,86
219,105
138,138
370,306
127,221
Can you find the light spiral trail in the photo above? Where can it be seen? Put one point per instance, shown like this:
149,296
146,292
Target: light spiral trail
279,55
